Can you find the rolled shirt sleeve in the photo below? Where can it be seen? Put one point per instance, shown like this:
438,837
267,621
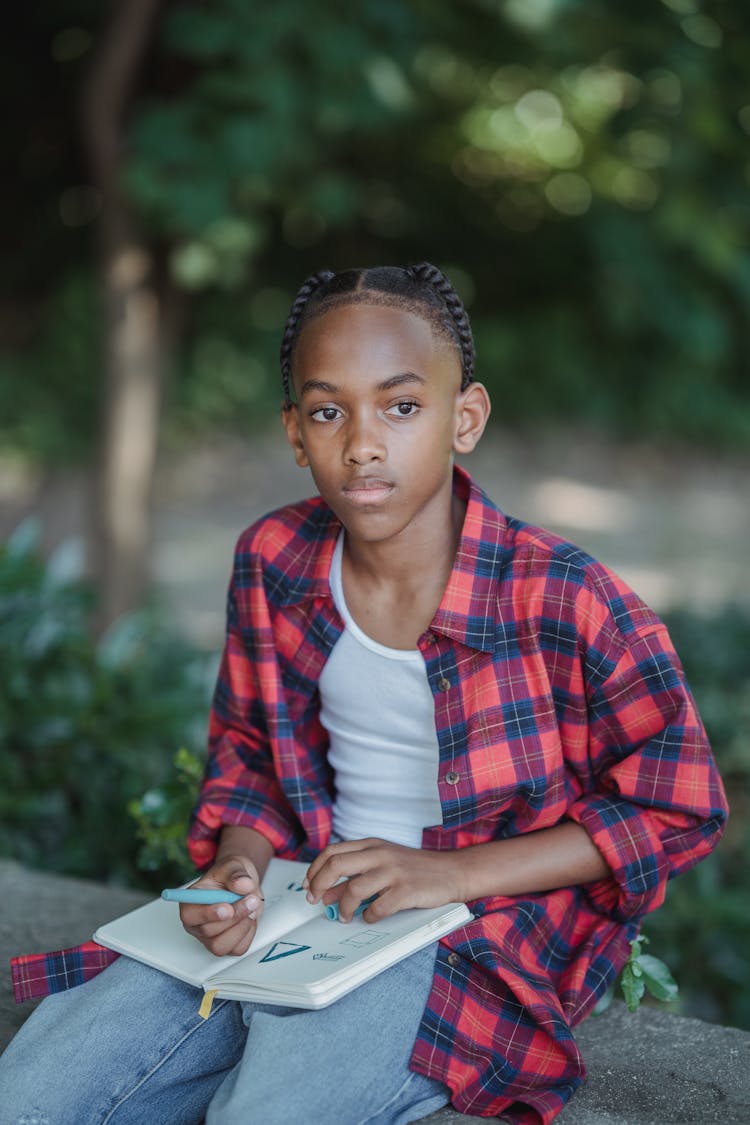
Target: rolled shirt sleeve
240,784
658,806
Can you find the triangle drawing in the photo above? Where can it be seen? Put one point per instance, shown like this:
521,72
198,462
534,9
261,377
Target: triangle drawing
290,948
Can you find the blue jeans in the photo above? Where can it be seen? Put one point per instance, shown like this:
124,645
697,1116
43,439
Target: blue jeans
129,1048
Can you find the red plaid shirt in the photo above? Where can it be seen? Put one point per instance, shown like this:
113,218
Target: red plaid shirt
557,695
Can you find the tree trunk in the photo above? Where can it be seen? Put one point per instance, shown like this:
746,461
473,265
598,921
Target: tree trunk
132,323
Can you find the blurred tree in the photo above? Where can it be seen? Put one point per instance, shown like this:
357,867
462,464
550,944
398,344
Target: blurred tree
582,172
134,320
251,122
234,110
47,370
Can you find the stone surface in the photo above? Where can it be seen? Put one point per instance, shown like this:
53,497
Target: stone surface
41,912
655,1068
651,1068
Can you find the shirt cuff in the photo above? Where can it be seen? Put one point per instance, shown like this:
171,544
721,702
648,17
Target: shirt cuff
213,813
629,841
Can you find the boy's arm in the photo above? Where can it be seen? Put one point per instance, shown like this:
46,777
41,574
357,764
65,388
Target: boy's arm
656,805
238,843
404,877
534,862
240,786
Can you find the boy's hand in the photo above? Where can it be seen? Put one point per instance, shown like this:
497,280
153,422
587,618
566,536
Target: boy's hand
401,878
227,928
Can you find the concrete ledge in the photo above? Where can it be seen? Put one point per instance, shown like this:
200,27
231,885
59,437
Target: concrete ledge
651,1068
41,912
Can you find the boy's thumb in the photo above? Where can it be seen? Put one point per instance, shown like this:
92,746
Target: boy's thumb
227,870
239,879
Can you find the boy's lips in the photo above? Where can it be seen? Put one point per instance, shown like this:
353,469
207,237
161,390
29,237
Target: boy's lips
367,490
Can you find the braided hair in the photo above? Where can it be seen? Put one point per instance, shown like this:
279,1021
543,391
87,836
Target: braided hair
422,289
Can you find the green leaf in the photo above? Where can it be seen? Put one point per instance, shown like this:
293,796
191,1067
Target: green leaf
604,1001
633,988
189,765
658,979
641,972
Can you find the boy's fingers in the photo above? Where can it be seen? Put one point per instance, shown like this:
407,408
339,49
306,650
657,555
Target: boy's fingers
343,847
230,875
232,941
332,863
226,927
221,937
354,894
356,859
220,914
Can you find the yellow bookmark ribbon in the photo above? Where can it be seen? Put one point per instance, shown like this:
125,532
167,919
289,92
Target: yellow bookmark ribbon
206,1004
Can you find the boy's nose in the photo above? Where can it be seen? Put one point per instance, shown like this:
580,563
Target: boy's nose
363,443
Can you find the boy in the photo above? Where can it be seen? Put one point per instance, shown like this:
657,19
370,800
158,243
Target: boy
431,702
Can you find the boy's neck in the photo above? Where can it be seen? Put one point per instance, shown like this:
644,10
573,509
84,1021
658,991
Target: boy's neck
419,554
393,588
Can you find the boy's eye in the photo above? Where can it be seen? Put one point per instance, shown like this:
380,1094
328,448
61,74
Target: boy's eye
404,409
325,413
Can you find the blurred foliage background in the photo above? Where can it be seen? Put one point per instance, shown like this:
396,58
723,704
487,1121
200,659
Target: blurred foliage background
580,169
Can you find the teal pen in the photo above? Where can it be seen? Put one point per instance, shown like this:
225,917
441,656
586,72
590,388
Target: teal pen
332,911
205,896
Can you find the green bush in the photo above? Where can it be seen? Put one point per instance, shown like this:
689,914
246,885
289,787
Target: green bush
84,726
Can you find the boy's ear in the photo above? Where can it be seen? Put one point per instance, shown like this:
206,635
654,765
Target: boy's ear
472,411
290,418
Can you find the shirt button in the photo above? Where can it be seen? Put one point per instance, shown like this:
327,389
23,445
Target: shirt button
452,777
429,638
444,684
454,960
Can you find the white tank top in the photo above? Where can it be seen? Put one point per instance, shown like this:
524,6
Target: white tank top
377,707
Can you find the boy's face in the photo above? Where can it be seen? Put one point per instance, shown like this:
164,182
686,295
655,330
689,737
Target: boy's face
378,418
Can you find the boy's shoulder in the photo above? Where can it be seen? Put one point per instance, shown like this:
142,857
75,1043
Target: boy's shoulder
540,550
298,514
526,543
539,567
296,540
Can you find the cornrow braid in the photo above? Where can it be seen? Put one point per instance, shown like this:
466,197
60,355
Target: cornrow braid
428,274
289,338
422,289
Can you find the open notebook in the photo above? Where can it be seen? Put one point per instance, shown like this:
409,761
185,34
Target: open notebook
299,958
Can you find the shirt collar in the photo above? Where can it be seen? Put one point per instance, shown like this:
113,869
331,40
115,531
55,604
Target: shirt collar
468,607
